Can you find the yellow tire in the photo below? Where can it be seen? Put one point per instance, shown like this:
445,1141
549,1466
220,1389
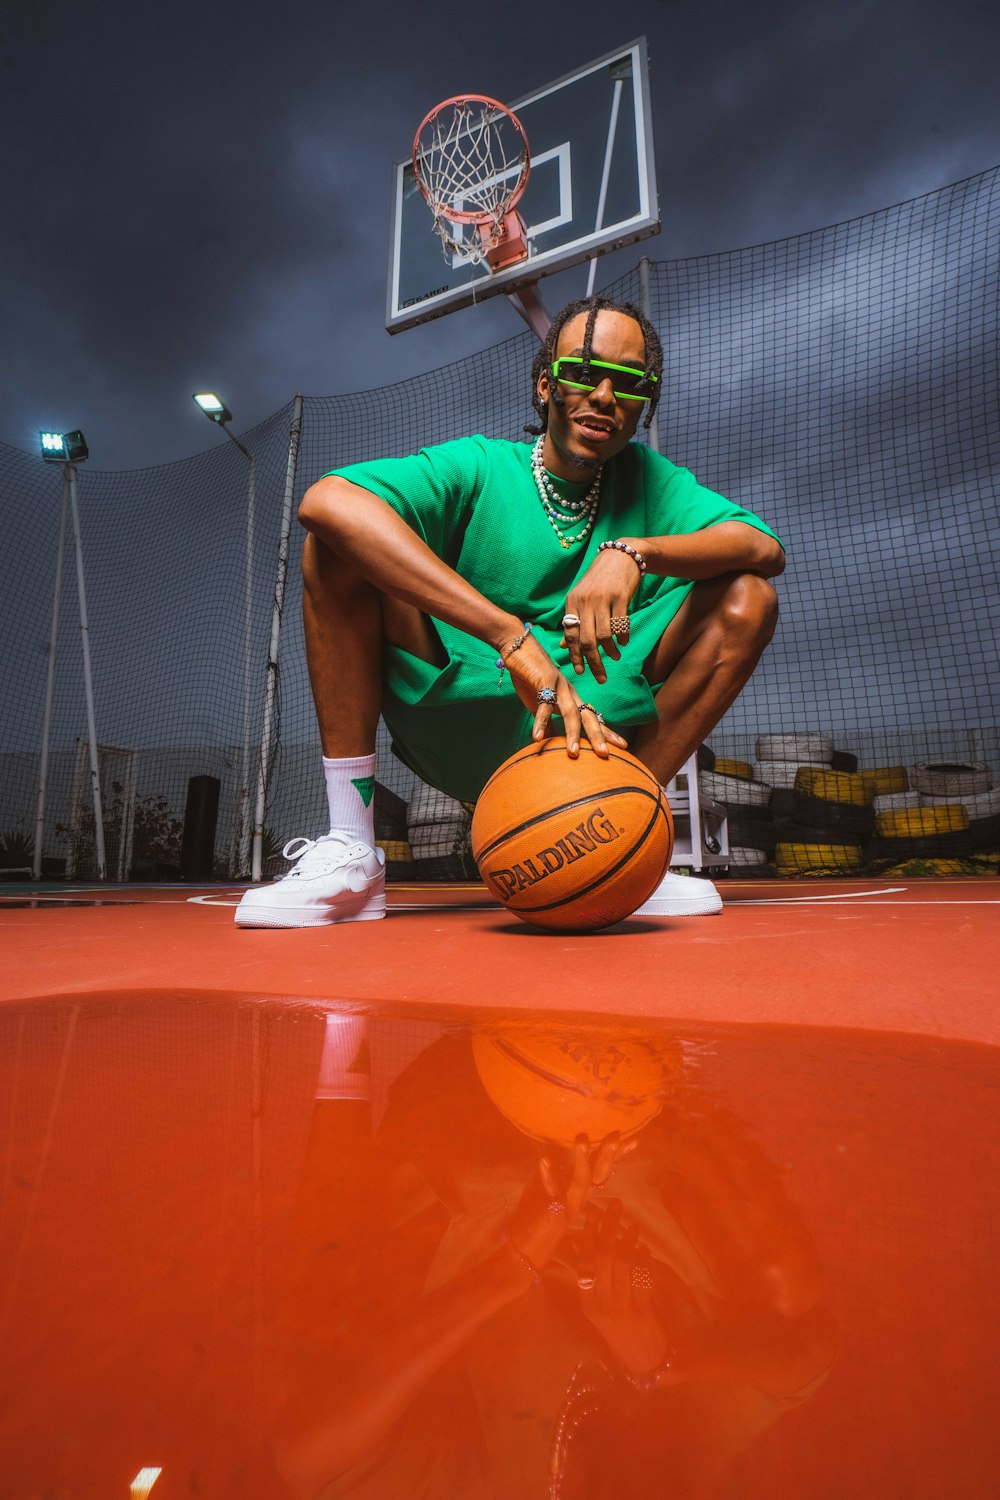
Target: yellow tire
741,768
397,851
886,780
833,786
802,859
920,822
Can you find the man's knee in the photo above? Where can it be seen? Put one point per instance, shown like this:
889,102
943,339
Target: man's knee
749,606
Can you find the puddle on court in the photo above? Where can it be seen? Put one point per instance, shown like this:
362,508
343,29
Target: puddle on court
271,1250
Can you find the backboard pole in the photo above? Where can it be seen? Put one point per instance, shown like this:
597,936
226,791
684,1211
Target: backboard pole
528,303
605,177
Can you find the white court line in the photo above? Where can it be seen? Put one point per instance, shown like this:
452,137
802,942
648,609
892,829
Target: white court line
845,900
891,890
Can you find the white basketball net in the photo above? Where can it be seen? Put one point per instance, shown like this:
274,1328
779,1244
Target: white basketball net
470,163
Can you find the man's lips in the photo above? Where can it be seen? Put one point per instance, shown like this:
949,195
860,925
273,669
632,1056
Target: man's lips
595,426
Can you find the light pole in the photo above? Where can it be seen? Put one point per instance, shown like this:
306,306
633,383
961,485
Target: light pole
218,412
68,449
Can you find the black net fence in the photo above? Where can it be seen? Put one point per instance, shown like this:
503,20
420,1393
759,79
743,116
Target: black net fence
843,384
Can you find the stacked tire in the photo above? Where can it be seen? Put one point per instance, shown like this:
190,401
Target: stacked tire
829,818
779,756
750,826
438,835
967,784
913,832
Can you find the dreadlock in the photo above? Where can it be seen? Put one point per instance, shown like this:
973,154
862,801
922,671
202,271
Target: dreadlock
546,353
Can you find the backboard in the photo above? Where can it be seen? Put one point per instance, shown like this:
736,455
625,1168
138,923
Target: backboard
592,189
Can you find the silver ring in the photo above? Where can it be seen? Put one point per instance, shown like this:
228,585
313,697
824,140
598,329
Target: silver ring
640,1278
547,695
568,620
555,1207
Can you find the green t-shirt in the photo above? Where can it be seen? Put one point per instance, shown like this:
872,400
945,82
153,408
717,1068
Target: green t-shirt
474,502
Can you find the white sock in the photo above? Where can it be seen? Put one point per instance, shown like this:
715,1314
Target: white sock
350,789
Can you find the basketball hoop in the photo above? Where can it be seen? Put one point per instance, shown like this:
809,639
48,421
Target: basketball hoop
471,161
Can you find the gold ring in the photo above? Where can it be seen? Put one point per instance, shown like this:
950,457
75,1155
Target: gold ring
621,625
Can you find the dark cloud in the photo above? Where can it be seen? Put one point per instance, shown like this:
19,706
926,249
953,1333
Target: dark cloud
202,198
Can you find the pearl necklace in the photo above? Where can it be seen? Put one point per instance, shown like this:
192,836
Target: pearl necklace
562,513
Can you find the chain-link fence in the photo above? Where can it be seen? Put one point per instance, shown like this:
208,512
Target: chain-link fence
843,384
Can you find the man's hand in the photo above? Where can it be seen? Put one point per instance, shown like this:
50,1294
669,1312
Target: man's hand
603,595
615,1276
559,1191
532,670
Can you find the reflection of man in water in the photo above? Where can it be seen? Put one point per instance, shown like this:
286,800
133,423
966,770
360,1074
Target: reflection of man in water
597,1315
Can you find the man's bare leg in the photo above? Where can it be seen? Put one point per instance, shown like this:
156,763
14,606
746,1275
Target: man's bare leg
703,659
346,622
340,876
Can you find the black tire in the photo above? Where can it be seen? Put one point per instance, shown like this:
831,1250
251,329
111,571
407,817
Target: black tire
840,817
780,805
752,833
390,814
984,833
706,758
843,760
942,844
447,867
789,831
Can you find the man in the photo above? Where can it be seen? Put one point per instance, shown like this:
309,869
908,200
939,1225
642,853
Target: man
476,592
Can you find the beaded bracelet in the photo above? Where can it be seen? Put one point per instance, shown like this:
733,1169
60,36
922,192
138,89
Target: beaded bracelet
636,557
516,644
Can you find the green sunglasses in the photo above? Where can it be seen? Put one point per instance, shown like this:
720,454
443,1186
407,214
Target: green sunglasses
628,383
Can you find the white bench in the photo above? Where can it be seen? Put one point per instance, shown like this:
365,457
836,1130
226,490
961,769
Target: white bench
701,834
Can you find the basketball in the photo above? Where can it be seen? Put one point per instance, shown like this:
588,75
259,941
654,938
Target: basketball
554,1085
572,845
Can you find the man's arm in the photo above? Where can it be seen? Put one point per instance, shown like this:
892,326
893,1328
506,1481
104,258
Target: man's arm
729,547
612,580
365,530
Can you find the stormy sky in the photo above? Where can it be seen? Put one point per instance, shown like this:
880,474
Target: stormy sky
199,196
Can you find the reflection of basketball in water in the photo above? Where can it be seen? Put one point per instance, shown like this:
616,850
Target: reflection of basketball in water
555,1084
572,844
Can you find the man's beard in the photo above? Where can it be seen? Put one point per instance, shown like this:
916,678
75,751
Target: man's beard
585,461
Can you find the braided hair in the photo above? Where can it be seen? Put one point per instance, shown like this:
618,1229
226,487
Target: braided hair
546,354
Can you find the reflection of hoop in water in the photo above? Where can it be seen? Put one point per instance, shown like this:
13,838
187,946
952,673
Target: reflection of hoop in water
472,162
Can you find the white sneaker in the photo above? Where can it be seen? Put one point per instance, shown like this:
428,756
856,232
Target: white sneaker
681,896
335,878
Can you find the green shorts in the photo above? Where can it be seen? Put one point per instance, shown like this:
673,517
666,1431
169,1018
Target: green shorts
453,725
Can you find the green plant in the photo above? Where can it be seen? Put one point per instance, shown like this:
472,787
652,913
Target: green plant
17,849
156,831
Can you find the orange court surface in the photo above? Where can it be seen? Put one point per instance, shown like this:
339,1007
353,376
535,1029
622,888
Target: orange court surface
325,1213
887,955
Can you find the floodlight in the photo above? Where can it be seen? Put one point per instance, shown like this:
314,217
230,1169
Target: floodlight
214,409
63,447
